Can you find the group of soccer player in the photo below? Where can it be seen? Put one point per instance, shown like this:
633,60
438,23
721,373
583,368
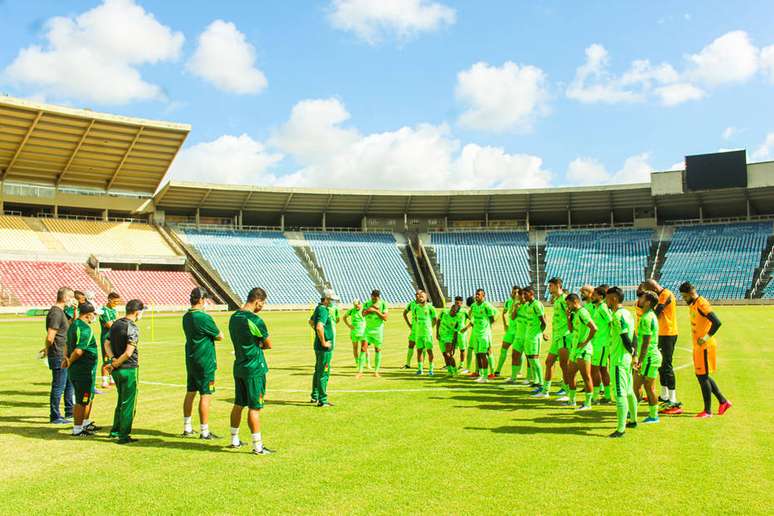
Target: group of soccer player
617,355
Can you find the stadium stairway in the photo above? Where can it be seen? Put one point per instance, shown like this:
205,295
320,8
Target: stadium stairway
537,267
431,258
762,284
308,259
422,269
43,234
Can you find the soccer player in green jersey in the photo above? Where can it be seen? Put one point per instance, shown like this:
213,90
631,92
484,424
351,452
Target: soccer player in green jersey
81,360
602,318
583,330
519,311
535,322
467,359
324,342
121,348
355,321
412,338
648,358
250,338
375,314
621,349
561,340
482,315
449,331
201,332
106,318
509,325
423,317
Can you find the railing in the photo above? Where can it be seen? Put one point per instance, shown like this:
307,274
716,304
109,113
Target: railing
658,253
764,268
720,220
90,218
221,227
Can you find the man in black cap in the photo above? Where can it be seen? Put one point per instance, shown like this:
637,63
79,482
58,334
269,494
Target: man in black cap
121,349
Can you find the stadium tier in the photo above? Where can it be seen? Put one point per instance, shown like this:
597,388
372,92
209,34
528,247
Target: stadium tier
108,238
356,263
719,259
247,259
36,283
768,291
17,235
614,257
170,288
494,261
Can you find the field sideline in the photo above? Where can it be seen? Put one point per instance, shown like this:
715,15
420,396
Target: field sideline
399,444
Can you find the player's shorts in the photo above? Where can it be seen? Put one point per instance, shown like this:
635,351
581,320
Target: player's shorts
249,392
83,385
584,353
558,342
510,335
446,341
480,343
705,357
601,355
201,380
357,335
622,381
375,337
532,344
413,334
518,344
463,341
649,366
424,342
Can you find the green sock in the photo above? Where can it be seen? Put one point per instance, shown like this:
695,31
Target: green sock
409,354
547,385
607,392
537,372
620,414
653,411
490,363
501,360
572,396
368,359
468,358
361,362
449,369
595,394
431,367
587,399
564,386
377,361
631,401
515,371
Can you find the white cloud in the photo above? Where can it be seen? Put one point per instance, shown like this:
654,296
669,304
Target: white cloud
228,159
373,20
680,165
728,59
593,81
94,56
492,167
765,151
730,132
767,62
588,171
501,98
225,58
674,94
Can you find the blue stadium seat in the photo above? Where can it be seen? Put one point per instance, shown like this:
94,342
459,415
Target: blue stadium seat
247,259
719,259
602,256
494,261
357,263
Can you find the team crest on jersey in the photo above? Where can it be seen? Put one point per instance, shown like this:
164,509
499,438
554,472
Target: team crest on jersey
85,399
212,386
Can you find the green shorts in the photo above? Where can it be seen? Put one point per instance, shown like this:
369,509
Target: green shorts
201,380
559,342
584,353
518,343
83,386
424,342
621,378
249,392
375,337
649,367
532,344
601,355
357,335
510,335
462,341
412,334
480,343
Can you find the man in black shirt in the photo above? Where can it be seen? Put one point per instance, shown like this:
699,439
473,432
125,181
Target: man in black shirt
121,350
57,325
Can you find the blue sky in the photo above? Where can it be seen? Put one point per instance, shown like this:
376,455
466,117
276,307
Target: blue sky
411,93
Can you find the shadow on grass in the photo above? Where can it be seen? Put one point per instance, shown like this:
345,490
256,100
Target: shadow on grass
533,430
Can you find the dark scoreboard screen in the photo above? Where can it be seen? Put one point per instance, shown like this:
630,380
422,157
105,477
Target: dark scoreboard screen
717,170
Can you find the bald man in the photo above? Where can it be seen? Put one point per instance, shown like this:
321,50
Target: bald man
666,311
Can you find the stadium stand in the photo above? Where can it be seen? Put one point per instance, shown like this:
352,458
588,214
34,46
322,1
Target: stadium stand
15,235
612,256
247,259
35,283
170,288
494,261
108,238
356,263
719,259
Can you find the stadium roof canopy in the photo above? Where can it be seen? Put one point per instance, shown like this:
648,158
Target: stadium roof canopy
60,146
184,195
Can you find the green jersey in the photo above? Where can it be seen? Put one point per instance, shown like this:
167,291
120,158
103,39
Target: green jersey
69,311
322,315
335,316
602,317
507,309
80,336
534,312
580,325
622,323
372,321
451,325
200,333
521,320
422,317
108,316
248,332
648,326
481,314
559,326
356,319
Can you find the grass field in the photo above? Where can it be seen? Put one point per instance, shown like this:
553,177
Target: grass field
399,444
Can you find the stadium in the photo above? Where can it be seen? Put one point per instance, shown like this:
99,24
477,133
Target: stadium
178,342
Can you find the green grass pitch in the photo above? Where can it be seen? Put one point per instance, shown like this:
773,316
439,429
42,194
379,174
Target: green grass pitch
399,444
